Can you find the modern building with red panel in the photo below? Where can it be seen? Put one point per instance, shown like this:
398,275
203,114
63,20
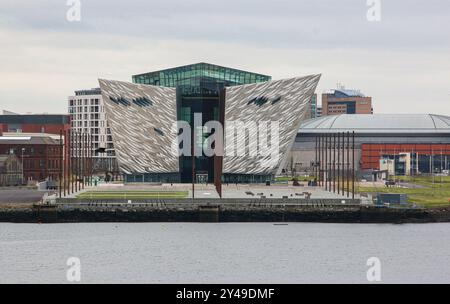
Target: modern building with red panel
411,144
425,158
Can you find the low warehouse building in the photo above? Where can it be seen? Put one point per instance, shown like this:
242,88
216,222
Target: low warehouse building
399,143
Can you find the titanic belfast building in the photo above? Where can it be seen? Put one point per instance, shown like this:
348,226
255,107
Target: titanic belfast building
145,117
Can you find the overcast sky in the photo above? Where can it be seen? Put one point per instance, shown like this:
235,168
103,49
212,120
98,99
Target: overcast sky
403,61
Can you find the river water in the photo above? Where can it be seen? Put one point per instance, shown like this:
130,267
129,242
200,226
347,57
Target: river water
224,252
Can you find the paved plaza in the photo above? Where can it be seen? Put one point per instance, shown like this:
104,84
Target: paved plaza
229,191
21,195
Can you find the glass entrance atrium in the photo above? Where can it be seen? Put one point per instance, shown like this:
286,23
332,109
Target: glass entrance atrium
185,74
199,89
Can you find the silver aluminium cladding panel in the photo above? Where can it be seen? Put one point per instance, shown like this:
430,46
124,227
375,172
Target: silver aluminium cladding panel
283,101
140,118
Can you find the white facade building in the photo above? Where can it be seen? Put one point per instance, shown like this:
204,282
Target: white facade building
88,116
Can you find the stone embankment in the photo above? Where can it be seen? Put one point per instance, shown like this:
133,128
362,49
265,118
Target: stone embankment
212,210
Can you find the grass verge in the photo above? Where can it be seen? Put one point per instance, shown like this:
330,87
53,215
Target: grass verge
132,194
435,192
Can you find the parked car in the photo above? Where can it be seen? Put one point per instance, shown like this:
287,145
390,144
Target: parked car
390,182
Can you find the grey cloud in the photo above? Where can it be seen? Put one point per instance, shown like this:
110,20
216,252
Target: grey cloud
285,23
402,61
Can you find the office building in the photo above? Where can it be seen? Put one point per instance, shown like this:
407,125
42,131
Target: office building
344,101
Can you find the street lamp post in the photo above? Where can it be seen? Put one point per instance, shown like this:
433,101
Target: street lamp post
23,150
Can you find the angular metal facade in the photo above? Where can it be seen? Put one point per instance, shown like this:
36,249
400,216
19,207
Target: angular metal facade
283,101
141,119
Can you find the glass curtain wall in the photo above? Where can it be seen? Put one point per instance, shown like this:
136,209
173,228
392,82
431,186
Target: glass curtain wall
173,77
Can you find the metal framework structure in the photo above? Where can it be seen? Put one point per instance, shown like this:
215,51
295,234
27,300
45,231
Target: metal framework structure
335,162
76,171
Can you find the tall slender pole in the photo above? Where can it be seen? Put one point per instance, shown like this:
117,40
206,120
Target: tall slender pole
81,160
334,162
343,163
84,158
440,185
75,158
60,161
87,159
78,160
324,166
90,158
330,163
68,161
193,161
432,163
65,163
82,134
88,180
71,161
326,162
320,159
348,164
354,169
431,166
320,162
315,159
75,151
338,162
23,176
88,175
92,162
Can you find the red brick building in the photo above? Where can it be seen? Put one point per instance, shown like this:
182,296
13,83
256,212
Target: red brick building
40,155
34,139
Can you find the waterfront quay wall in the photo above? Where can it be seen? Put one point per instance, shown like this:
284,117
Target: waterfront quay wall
67,210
